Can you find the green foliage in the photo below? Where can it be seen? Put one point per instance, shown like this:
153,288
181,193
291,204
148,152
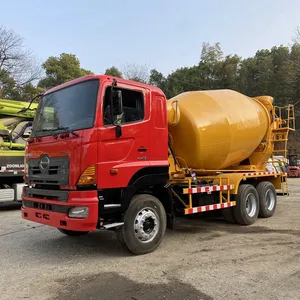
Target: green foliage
61,69
7,83
11,90
157,79
113,71
25,92
274,72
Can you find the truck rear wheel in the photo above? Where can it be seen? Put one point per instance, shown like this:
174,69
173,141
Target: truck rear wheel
145,224
247,205
267,199
72,232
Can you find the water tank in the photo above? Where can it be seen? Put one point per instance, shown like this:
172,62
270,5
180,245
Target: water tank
219,128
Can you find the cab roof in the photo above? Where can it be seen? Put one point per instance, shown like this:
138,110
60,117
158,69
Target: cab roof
105,78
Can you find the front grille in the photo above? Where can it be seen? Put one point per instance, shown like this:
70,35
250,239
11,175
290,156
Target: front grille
46,194
47,207
56,172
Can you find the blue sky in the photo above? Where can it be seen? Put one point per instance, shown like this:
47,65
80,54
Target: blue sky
161,34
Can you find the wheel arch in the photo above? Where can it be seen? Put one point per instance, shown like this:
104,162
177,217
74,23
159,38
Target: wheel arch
150,180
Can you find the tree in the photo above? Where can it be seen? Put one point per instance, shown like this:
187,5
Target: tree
157,79
113,71
61,69
10,90
211,54
246,81
16,60
227,72
25,92
136,72
296,37
210,57
184,79
7,83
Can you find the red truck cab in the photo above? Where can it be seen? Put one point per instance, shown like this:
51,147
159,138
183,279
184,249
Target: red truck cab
96,141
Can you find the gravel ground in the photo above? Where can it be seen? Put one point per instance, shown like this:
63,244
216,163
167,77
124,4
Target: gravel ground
201,259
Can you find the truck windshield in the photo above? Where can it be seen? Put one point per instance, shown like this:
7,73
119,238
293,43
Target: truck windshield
71,108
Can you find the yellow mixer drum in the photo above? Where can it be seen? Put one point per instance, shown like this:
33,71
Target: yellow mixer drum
218,129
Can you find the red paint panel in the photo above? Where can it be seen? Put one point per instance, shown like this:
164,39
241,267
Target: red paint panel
78,198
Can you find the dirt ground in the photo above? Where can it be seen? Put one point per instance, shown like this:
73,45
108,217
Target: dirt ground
201,259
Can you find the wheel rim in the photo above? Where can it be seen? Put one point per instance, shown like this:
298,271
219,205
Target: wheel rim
270,199
251,205
146,225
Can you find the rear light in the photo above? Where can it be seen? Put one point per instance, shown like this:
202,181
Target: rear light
88,177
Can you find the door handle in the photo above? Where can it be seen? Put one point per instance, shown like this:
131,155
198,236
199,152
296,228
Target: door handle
142,149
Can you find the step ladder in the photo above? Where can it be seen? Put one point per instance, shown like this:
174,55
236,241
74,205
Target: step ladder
284,122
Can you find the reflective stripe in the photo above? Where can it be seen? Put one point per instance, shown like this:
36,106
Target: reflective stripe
200,209
208,189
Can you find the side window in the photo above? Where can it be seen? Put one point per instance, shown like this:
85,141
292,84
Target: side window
133,107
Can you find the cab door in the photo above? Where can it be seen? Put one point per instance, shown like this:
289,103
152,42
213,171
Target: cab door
121,157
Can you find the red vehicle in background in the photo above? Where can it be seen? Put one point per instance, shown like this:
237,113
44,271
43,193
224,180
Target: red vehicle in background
293,169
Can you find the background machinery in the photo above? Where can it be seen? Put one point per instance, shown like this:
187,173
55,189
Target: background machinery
15,128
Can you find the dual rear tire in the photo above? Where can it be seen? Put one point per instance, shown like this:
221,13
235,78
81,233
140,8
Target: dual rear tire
252,203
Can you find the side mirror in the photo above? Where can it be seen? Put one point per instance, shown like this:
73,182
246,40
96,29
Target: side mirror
117,103
118,131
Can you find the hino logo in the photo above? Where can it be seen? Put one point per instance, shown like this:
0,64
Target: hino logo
44,163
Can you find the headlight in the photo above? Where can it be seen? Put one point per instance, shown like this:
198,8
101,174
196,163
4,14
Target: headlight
79,212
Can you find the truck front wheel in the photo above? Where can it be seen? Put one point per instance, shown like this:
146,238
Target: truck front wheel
145,224
247,205
267,199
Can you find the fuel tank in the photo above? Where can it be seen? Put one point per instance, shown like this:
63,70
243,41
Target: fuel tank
217,129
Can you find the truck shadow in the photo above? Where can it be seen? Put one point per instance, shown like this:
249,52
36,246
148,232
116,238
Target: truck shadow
7,206
49,244
54,246
94,244
212,224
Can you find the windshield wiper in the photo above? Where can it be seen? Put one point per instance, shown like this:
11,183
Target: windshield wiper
54,133
67,129
49,130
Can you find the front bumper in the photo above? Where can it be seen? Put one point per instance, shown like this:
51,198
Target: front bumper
293,175
55,213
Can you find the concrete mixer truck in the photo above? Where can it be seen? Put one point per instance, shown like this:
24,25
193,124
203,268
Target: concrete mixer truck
112,154
15,128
